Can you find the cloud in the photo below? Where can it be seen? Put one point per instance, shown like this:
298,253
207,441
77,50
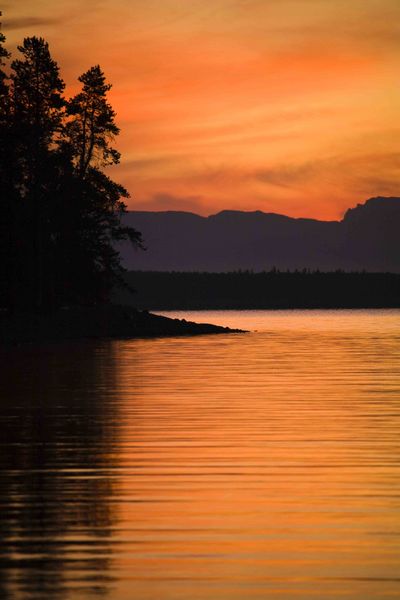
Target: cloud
164,201
146,164
16,17
369,173
22,22
289,175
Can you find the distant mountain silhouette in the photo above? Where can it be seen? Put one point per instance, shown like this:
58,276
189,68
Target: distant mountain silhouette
368,238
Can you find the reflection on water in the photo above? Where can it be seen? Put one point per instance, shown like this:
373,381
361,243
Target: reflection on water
263,465
59,437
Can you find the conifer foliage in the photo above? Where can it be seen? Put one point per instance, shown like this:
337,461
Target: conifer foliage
60,212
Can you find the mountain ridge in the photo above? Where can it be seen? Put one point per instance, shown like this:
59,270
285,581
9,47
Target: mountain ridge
366,238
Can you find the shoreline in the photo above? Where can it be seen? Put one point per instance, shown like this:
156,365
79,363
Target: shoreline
102,322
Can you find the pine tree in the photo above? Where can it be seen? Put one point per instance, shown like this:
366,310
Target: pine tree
37,114
62,213
7,204
89,133
4,55
93,126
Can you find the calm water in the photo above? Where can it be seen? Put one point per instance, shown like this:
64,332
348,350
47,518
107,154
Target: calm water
257,466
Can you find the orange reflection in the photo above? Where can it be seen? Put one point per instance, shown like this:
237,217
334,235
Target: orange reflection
263,465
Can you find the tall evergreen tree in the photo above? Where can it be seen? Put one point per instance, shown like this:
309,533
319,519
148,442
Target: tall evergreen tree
7,206
89,133
93,127
4,55
37,113
61,212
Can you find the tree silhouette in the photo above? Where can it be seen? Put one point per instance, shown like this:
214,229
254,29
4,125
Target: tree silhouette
4,55
37,114
92,126
7,235
88,135
63,213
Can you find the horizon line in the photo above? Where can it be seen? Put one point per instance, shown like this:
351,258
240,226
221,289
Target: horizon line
258,211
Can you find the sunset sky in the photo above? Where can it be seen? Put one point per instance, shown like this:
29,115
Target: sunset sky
288,106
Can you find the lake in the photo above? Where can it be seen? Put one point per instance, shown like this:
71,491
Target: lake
250,466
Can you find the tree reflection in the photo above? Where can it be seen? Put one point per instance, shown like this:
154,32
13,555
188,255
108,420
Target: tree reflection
59,420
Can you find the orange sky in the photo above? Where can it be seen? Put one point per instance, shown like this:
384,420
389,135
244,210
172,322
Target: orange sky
286,106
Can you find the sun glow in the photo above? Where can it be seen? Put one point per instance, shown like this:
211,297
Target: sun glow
288,107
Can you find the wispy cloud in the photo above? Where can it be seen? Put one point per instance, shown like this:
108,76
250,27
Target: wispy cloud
286,106
162,201
288,176
29,22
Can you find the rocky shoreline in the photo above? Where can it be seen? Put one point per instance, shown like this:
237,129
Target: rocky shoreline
109,321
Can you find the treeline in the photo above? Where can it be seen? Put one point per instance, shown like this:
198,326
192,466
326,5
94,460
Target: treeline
60,213
267,290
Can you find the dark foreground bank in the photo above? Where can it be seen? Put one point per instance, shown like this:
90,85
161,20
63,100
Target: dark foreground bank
100,322
267,290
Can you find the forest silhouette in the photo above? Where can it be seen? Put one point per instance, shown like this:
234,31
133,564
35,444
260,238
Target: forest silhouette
268,290
61,214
